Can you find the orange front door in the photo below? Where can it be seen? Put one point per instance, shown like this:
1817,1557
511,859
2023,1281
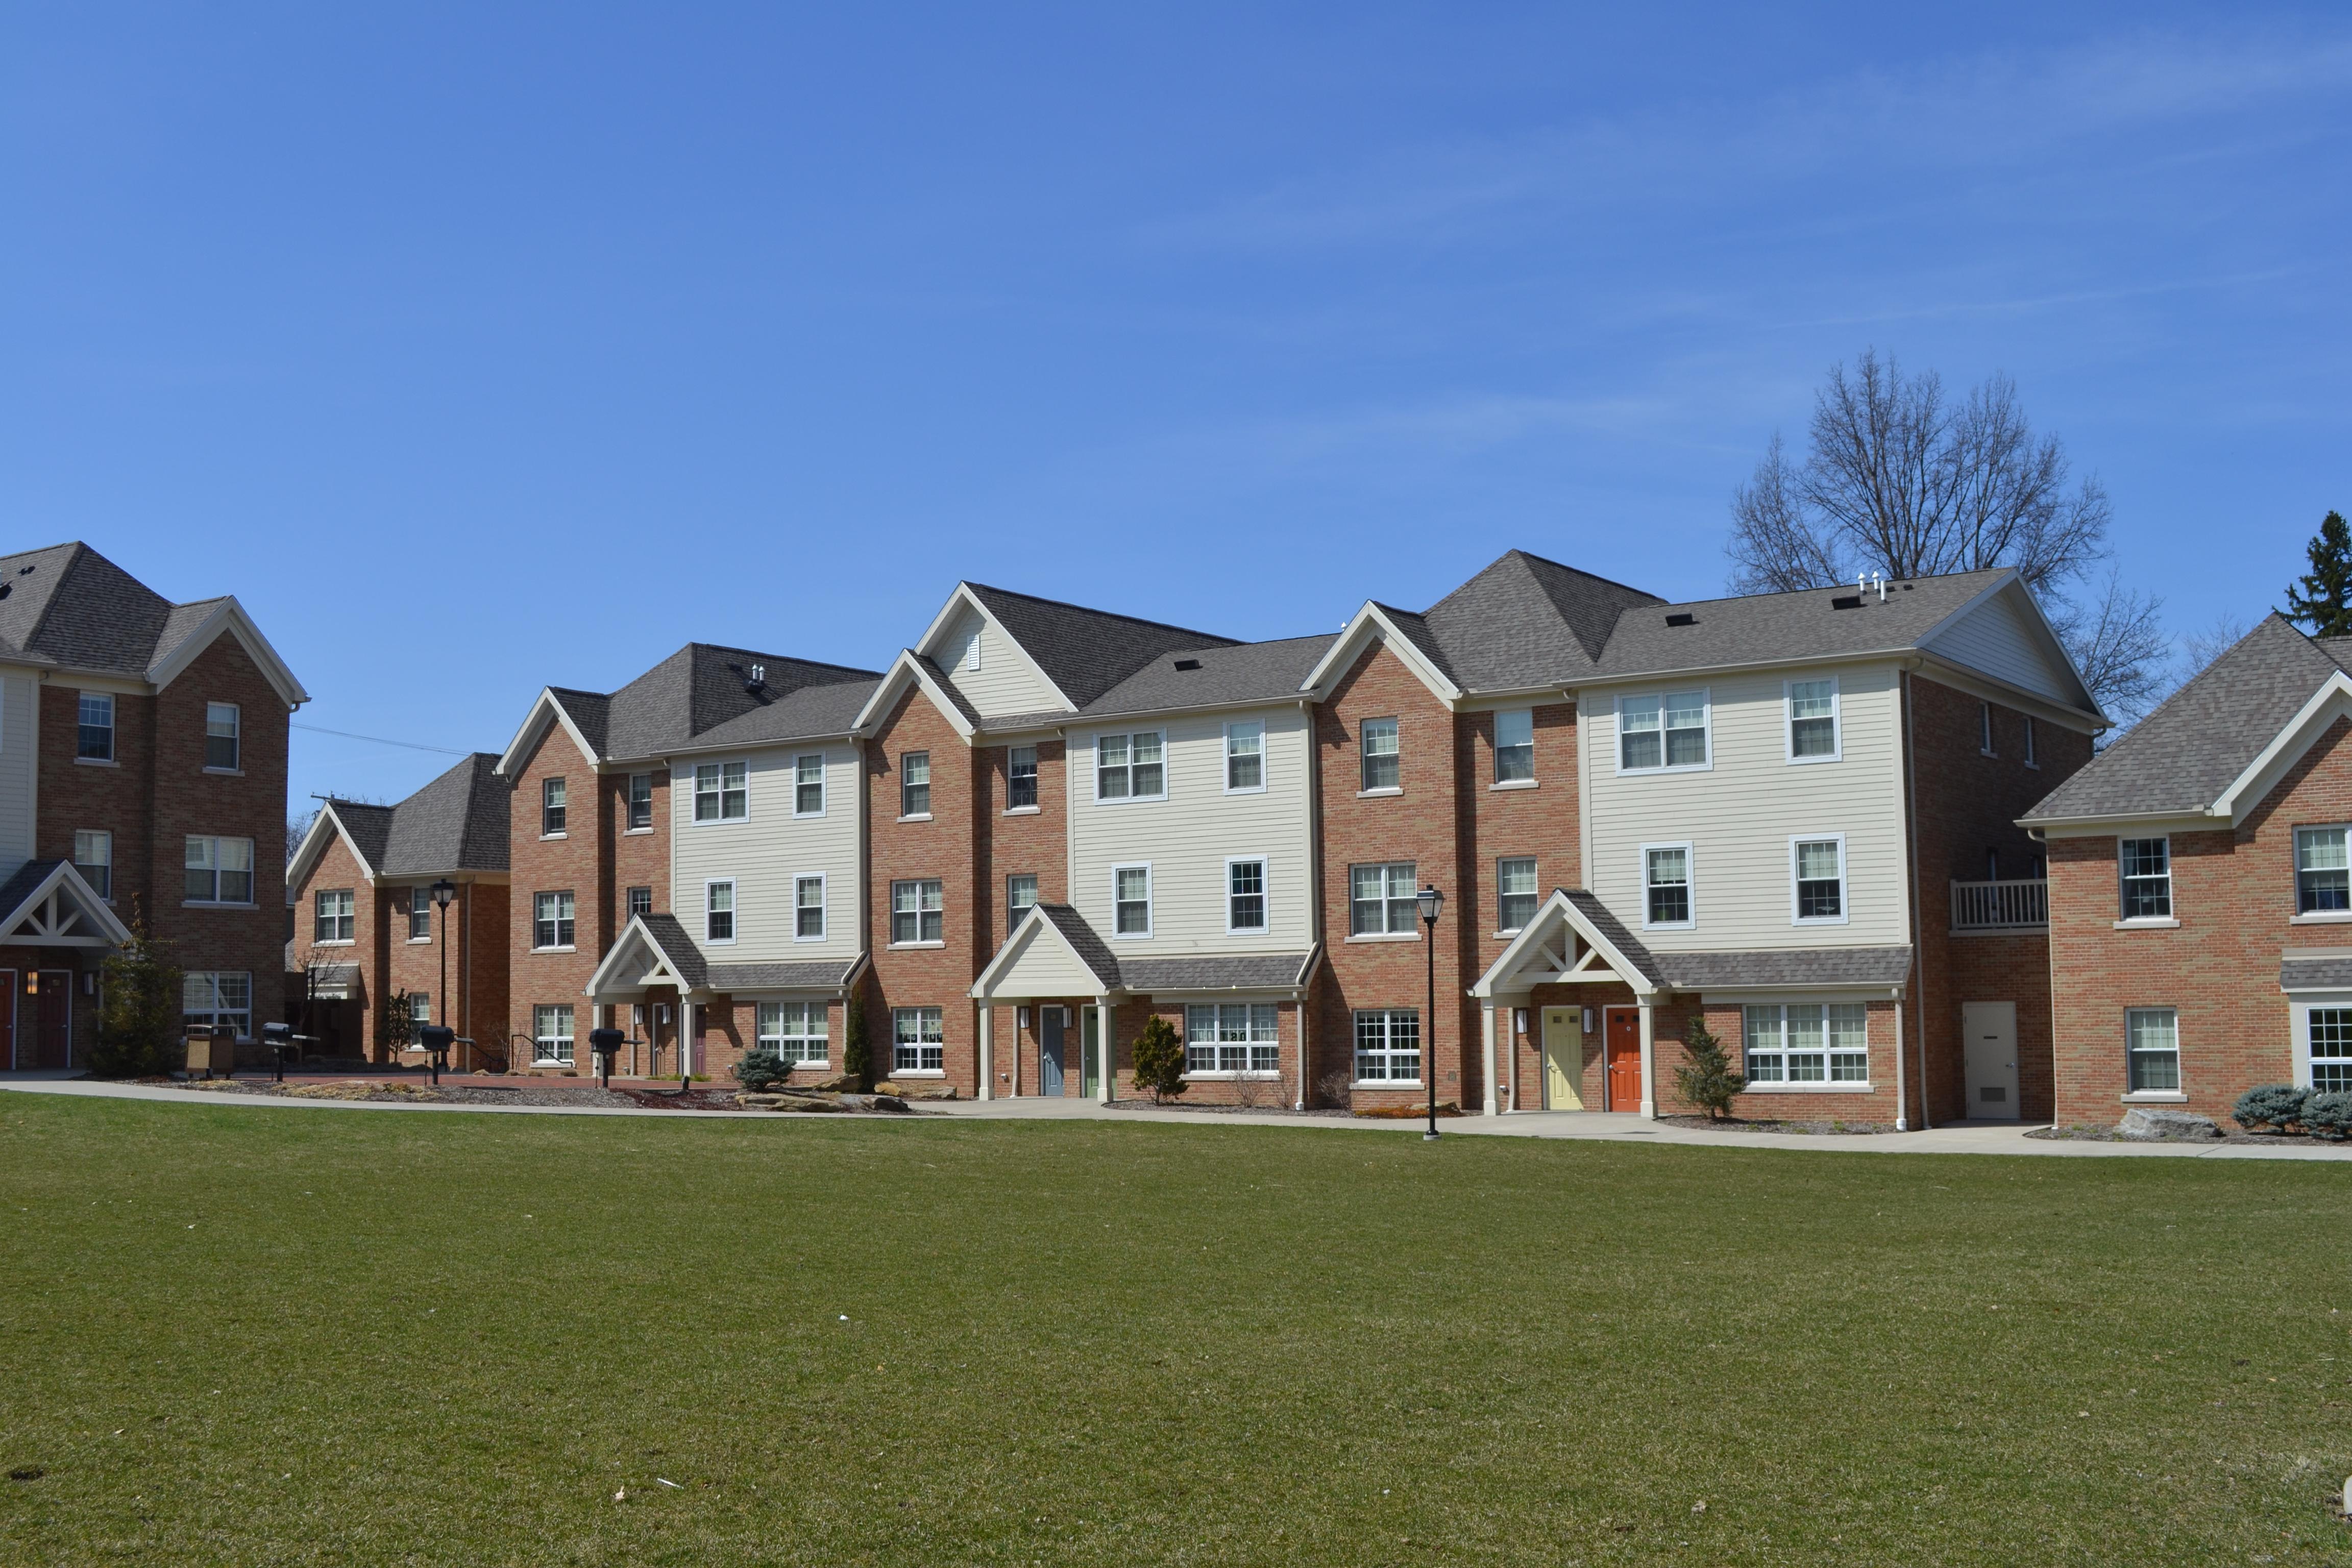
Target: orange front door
1625,1058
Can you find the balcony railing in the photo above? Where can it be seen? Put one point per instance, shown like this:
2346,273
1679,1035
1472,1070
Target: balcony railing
2000,905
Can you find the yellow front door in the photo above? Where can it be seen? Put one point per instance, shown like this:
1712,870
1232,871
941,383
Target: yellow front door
1564,1056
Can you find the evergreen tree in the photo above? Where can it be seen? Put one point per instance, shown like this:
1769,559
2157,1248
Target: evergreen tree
857,1056
139,1013
1707,1080
1160,1060
2323,599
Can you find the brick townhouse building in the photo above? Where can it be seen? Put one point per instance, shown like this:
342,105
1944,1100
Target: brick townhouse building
2200,904
143,782
370,936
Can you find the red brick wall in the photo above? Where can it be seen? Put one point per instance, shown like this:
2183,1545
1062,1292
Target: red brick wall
638,859
474,1000
354,1026
1499,823
2233,894
1024,844
945,848
581,862
731,1028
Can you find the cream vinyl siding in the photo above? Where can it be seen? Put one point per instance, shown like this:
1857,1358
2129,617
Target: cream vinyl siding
1005,682
17,690
1997,638
1188,837
1047,967
766,850
1738,816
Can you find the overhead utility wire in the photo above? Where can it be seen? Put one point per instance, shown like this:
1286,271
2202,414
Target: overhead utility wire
378,740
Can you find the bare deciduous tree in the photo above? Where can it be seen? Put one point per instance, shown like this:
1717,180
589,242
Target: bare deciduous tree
1901,479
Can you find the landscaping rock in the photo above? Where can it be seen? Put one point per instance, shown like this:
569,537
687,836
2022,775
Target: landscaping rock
917,1090
2141,1122
839,1083
763,1101
787,1102
883,1103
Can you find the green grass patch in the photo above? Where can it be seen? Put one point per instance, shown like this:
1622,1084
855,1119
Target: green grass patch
260,1335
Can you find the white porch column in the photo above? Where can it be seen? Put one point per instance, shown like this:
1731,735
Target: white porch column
1106,1050
1486,1022
1649,1064
1512,1032
987,1050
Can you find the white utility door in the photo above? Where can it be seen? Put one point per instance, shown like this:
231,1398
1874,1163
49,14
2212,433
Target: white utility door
1990,1032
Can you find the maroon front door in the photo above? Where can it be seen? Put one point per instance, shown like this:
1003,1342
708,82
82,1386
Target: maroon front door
1625,1058
53,1033
9,1023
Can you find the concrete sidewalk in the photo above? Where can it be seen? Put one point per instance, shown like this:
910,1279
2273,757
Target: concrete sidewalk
1962,1137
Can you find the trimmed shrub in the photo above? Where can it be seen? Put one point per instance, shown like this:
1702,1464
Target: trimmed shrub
1160,1060
1706,1079
2329,1115
856,1054
762,1069
2269,1105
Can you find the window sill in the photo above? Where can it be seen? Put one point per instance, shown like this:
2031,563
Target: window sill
1693,925
1246,930
96,762
226,773
808,817
912,946
1843,1086
216,904
1388,936
345,942
1022,810
1813,761
1513,784
1981,753
419,942
636,832
920,1072
2156,1097
551,1062
719,942
1387,1083
2165,924
916,816
1380,793
2321,918
572,948
819,937
1822,921
1219,1075
716,822
1677,768
545,836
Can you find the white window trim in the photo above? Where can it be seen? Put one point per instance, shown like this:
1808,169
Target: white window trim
1617,733
1265,894
891,912
1149,914
1690,882
572,946
1226,757
252,870
1013,917
694,790
1823,1000
1514,931
627,831
2033,751
1496,748
2179,1062
2299,1013
2295,871
1094,753
1845,882
1984,730
824,789
1363,756
1789,723
734,911
824,906
2171,893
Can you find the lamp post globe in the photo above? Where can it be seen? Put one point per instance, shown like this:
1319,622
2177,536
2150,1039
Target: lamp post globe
1431,902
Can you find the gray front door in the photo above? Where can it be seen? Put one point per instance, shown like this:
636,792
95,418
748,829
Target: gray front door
1049,1050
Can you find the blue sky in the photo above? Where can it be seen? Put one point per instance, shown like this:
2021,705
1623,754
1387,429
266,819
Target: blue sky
482,348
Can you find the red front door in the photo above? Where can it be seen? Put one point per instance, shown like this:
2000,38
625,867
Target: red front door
1625,1058
53,1044
9,1023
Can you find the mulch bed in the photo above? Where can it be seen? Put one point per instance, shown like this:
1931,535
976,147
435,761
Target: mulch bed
1803,1129
404,1091
2229,1135
1207,1109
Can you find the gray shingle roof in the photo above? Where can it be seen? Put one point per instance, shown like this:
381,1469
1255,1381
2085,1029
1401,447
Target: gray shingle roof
1526,622
1251,971
19,887
1795,968
68,606
1773,627
369,827
2295,973
1604,921
700,698
827,975
669,934
457,823
1091,949
2182,756
1084,652
1228,673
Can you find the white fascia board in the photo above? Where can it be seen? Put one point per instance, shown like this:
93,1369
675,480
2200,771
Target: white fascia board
1968,678
2006,581
1366,625
548,710
622,968
67,877
314,845
907,671
2143,824
928,643
229,615
1531,935
2326,705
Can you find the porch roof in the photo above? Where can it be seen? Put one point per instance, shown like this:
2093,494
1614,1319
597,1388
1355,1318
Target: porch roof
1576,939
1054,952
47,904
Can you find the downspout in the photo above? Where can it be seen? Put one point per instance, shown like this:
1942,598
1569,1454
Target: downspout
1911,788
1314,893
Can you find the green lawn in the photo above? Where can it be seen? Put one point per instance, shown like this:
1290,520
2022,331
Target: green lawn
263,1335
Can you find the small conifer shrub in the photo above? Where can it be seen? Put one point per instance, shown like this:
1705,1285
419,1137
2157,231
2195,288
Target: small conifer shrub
2269,1105
1160,1060
1706,1078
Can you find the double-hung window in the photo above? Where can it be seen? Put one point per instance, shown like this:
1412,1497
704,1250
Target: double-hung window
2323,875
1818,867
2331,1049
1813,720
221,737
1515,893
420,1008
794,1031
1515,746
420,914
641,802
1388,1045
1984,729
719,912
917,912
722,792
917,1039
210,997
1235,1038
1380,900
808,785
1132,767
331,914
1654,733
2152,1041
1130,900
1666,884
1807,1042
1245,895
1020,895
94,738
808,909
551,813
94,859
220,870
641,901
1244,757
2146,868
1383,761
552,924
551,1033
915,783
1020,778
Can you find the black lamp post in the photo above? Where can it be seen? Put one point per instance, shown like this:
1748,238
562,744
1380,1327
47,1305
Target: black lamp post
445,891
1431,900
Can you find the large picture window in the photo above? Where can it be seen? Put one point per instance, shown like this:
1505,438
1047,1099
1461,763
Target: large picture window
1132,767
332,909
220,870
1380,900
2147,867
917,1039
1388,1045
1233,1037
2323,875
210,997
1666,885
722,792
551,920
2331,1049
1668,730
2152,1041
1807,1042
551,1033
917,912
794,1031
